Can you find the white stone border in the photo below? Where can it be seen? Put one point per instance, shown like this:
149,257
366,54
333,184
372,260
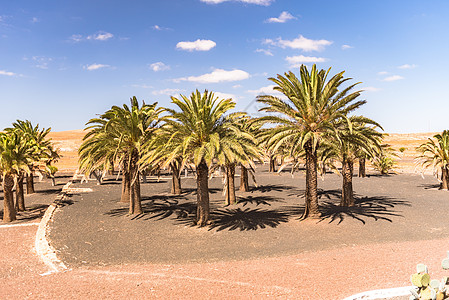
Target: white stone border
382,294
43,249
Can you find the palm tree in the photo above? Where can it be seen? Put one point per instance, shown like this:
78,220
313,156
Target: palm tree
43,152
159,149
307,117
201,131
353,137
239,147
119,135
14,157
435,153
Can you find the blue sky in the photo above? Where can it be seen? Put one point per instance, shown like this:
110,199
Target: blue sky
63,62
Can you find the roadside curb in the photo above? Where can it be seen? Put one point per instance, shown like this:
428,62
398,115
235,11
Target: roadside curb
43,248
382,294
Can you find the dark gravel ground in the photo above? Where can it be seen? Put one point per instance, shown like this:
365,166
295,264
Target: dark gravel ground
94,228
37,203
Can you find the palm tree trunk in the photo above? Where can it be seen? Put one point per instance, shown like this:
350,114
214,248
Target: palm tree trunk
176,178
272,164
347,192
20,199
202,194
9,212
135,205
244,185
444,178
362,167
126,182
126,188
30,183
311,209
230,184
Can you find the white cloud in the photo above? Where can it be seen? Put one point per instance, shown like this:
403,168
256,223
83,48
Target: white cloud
300,43
198,45
264,51
283,17
95,67
297,61
34,20
6,73
258,2
263,90
218,75
169,92
393,78
160,28
382,73
407,66
346,47
76,38
42,61
159,66
142,86
236,86
370,89
225,96
100,36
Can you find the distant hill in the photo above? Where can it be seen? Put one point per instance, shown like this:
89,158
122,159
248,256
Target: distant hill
69,141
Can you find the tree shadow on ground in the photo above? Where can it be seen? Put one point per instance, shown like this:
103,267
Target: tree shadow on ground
159,207
246,219
376,208
49,191
430,186
243,219
271,187
191,191
32,212
257,200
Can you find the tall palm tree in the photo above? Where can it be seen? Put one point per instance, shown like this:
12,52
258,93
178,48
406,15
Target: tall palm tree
435,153
239,147
14,156
119,135
307,117
355,135
159,149
43,151
201,131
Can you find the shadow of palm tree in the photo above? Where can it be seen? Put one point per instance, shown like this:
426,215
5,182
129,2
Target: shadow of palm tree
427,186
376,208
257,200
271,187
246,219
32,212
159,207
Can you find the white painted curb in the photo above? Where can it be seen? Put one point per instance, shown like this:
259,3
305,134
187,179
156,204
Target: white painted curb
46,252
382,294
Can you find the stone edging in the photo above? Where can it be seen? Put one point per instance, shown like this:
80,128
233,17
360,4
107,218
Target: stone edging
45,251
382,294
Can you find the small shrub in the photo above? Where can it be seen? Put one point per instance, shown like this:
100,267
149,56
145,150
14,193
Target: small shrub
384,164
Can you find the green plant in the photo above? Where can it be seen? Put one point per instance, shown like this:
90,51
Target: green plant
384,164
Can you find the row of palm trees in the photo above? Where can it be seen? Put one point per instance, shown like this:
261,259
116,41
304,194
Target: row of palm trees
314,121
24,149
